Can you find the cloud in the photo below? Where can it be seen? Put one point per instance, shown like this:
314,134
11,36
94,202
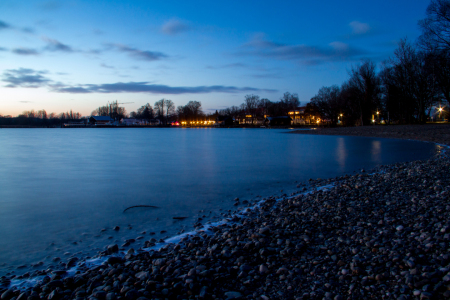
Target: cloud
359,28
139,54
228,66
174,26
306,54
50,5
145,87
27,78
4,25
98,32
28,30
106,66
3,49
54,45
25,51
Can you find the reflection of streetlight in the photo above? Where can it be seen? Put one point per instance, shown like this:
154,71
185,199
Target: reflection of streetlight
440,110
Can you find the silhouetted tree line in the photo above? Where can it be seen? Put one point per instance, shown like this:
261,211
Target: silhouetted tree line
257,107
113,110
163,110
40,118
408,86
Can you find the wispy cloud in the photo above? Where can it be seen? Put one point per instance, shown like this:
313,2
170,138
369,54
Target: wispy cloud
3,49
50,5
27,78
98,32
306,54
106,66
228,66
175,26
4,25
25,51
54,45
139,54
145,87
359,28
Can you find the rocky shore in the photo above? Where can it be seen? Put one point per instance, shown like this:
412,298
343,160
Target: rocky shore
382,234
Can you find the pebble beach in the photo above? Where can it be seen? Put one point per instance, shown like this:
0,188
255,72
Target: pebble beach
381,234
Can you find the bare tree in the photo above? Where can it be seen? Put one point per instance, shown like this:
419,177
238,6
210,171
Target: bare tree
409,83
251,104
366,84
289,102
328,103
170,108
159,109
436,26
264,105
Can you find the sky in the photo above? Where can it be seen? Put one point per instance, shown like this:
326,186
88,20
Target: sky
79,55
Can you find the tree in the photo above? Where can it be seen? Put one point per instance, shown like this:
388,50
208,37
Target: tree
190,112
42,114
289,102
440,64
436,26
328,103
143,112
159,109
366,84
264,105
409,83
251,103
170,108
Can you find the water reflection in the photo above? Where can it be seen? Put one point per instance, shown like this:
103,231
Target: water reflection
342,153
376,151
56,184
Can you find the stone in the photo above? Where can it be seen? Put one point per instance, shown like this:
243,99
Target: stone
263,269
8,294
233,295
112,249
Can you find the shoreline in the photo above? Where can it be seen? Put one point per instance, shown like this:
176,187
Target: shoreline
435,133
323,244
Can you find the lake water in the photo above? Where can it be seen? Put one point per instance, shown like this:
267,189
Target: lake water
60,187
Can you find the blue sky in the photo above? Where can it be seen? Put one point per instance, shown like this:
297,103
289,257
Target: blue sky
72,54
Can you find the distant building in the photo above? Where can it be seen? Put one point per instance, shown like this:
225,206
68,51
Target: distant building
250,119
298,116
134,122
277,121
224,121
100,120
78,123
155,122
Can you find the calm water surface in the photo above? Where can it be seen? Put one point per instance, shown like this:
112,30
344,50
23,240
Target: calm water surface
60,187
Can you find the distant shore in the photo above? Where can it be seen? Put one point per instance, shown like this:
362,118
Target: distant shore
383,234
436,133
